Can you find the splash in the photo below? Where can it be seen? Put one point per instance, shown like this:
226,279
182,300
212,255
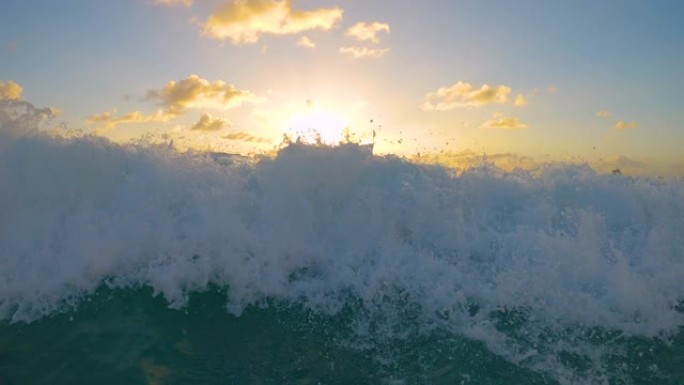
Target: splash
526,263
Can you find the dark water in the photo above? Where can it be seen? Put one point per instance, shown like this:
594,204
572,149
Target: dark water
131,337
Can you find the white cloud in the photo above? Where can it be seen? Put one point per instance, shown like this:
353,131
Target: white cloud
367,31
364,52
306,42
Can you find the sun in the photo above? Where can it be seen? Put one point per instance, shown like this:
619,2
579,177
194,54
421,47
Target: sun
317,124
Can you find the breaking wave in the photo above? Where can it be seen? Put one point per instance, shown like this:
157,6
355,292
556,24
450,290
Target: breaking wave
533,265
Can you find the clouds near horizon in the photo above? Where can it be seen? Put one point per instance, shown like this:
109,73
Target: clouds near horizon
244,21
176,97
196,92
504,123
246,137
209,123
107,120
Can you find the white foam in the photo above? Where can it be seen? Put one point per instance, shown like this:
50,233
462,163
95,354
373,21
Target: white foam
317,225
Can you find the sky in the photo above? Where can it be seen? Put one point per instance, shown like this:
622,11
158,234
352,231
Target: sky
524,81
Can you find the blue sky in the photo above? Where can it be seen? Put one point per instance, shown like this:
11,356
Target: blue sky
597,81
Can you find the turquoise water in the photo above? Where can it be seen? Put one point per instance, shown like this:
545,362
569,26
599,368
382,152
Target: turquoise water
137,264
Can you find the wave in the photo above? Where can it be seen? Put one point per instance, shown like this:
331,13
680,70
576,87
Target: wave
560,249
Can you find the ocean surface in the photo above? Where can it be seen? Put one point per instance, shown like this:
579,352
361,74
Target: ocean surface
137,264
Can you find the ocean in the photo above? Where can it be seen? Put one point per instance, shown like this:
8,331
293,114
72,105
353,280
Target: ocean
138,264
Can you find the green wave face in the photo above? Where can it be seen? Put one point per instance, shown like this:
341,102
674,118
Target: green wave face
128,336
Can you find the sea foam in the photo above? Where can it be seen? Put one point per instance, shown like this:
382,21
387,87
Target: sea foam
319,226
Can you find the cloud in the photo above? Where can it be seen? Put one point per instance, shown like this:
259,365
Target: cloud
603,114
464,94
363,52
176,97
55,111
504,123
306,42
246,137
195,92
244,21
468,159
367,31
108,121
209,123
12,45
10,90
520,100
622,125
186,3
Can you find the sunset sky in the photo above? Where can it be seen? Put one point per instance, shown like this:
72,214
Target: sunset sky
589,80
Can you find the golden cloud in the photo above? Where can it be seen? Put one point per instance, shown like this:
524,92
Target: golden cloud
108,121
306,42
56,111
246,137
468,159
622,125
363,52
244,21
209,123
10,90
463,94
186,3
195,92
603,114
520,100
367,31
504,123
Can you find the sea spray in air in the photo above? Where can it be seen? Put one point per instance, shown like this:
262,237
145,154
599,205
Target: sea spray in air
556,271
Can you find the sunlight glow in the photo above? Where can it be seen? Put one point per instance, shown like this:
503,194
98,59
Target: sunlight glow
317,125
